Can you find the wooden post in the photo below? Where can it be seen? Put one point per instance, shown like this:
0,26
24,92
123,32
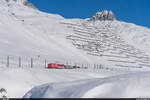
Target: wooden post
87,66
75,64
100,66
82,66
94,66
31,62
45,63
7,61
67,63
19,61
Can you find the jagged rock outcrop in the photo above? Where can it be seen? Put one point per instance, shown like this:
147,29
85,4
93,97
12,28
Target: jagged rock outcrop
104,15
24,2
27,3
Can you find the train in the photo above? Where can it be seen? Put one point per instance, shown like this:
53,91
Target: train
61,66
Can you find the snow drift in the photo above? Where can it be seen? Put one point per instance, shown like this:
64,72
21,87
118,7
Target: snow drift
121,86
18,81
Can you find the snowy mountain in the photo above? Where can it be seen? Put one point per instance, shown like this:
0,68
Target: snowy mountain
118,51
102,39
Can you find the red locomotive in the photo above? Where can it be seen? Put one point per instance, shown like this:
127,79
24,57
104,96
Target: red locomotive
56,66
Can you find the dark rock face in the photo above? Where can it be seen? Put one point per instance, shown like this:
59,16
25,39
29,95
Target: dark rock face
27,3
104,15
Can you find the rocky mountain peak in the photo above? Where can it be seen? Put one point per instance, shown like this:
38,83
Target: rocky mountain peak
104,15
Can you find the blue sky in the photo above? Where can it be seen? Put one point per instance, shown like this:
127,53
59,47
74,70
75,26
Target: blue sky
134,11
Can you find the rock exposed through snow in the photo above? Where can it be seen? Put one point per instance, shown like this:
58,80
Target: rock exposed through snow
104,15
24,2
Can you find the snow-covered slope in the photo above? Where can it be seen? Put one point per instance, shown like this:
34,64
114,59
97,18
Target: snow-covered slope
29,32
133,85
26,31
